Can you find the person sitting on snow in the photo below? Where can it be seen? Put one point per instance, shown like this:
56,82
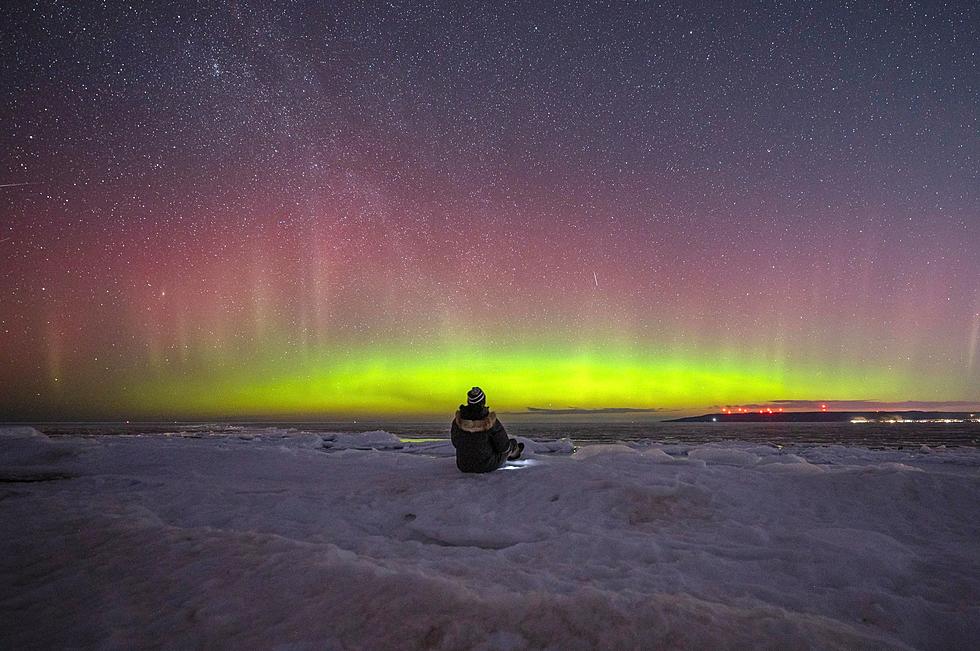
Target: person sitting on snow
480,439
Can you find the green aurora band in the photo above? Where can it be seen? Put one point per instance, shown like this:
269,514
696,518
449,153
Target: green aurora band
409,384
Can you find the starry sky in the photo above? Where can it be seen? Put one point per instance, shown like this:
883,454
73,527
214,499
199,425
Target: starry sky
329,208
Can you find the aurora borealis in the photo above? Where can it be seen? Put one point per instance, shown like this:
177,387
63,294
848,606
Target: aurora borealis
317,209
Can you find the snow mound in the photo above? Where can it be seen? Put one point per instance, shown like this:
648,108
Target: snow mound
714,454
893,466
657,455
788,463
32,450
27,456
20,432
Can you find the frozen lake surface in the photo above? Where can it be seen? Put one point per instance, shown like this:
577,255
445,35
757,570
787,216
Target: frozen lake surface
267,537
585,431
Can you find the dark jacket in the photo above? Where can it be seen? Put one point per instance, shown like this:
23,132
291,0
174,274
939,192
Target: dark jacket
480,440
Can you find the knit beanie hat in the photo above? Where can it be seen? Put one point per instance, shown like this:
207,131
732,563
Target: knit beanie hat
475,396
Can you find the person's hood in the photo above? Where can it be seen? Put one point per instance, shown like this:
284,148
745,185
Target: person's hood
480,425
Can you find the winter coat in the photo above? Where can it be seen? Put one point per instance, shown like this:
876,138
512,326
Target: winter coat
480,440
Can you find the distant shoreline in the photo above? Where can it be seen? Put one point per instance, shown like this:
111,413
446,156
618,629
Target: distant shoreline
833,417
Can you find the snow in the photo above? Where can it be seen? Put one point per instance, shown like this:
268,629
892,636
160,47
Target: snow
276,539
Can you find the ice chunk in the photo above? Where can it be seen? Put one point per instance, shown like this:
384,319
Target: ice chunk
376,440
603,449
561,446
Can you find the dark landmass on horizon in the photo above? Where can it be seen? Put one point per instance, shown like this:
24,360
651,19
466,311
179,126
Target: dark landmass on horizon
582,410
826,417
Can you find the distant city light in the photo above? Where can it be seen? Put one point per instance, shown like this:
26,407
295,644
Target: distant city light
891,420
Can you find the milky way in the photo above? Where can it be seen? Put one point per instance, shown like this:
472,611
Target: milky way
313,208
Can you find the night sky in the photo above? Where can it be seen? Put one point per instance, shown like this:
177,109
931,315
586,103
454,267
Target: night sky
319,208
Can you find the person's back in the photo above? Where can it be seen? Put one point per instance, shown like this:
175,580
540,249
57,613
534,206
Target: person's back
481,442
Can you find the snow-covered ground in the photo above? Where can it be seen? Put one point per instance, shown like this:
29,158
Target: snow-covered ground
262,540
